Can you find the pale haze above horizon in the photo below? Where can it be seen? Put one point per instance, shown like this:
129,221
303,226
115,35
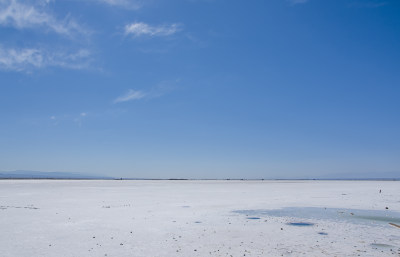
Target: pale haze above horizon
200,88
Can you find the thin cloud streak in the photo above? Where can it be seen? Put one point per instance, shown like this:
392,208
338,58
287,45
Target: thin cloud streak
28,59
19,15
143,29
161,89
130,95
128,4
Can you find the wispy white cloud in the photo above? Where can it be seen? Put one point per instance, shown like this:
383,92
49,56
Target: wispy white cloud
18,59
76,118
28,59
32,14
129,4
143,29
131,95
80,118
161,89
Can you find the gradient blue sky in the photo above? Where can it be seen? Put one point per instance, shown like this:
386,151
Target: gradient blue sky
200,88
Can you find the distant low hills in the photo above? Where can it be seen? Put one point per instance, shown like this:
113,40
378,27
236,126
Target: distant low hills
362,176
29,174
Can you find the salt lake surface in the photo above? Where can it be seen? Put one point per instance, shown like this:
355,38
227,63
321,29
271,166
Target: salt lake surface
199,218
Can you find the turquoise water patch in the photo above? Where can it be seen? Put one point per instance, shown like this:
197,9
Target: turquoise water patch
368,217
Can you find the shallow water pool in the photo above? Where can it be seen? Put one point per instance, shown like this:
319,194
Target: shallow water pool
366,217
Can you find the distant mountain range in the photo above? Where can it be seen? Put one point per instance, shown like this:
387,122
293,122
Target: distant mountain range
362,176
29,174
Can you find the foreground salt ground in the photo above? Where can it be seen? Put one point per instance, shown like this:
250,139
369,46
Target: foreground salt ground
199,218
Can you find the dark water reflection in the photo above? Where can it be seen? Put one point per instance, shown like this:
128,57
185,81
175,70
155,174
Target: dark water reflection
300,224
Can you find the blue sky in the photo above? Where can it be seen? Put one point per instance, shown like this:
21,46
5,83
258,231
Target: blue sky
200,88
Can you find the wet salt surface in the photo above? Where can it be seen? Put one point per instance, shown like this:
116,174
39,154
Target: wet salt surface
18,207
370,218
365,217
382,245
160,218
